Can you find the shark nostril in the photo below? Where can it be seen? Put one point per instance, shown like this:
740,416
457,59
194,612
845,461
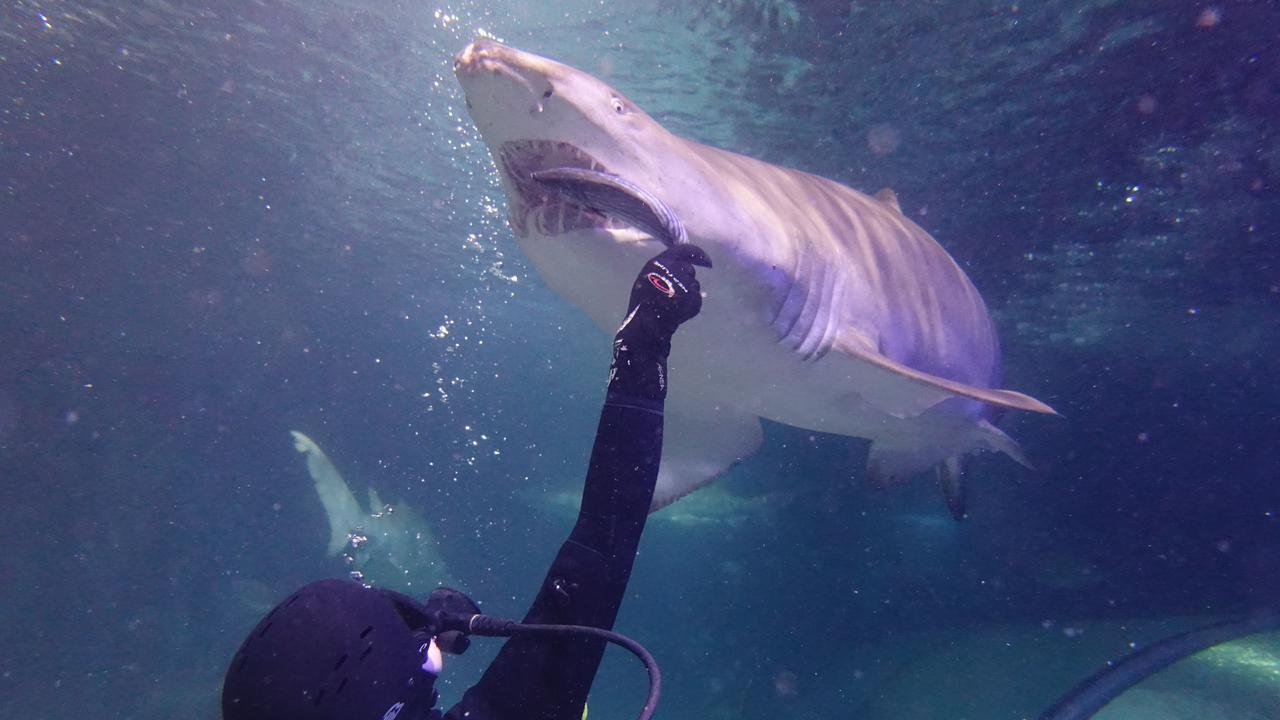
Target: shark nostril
548,93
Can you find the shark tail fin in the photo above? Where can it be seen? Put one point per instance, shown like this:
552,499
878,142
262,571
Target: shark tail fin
951,479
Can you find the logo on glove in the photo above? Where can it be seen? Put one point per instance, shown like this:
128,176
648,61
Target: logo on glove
662,284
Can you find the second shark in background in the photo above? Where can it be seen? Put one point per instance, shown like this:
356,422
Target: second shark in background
388,545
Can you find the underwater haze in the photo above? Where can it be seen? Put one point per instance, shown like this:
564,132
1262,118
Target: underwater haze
224,221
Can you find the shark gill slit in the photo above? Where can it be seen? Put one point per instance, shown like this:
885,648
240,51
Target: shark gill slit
831,329
805,324
793,302
821,317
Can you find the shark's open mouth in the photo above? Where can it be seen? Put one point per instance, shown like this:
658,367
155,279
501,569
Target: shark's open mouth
537,206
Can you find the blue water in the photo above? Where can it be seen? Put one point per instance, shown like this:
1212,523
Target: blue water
221,221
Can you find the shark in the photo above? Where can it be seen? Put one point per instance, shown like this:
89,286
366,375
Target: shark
383,544
826,309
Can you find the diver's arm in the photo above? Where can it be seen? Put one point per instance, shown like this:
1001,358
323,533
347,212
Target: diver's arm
548,678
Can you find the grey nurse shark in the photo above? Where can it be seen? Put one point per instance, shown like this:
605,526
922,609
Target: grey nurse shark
386,544
826,309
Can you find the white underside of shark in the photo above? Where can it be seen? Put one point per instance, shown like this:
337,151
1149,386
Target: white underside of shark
826,309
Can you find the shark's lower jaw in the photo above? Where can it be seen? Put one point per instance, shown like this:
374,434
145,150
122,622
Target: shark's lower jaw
533,206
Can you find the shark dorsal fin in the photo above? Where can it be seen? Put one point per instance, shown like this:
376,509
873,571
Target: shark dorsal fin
890,199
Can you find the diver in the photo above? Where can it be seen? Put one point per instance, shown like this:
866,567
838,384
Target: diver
337,650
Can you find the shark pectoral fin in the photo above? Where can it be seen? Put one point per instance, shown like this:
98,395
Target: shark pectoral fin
340,505
994,396
951,474
993,438
699,444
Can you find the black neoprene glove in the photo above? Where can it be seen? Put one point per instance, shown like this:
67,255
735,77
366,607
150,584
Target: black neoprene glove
665,294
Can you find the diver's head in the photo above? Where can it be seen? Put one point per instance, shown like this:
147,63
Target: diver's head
335,650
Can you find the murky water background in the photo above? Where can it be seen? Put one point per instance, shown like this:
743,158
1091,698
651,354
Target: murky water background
223,221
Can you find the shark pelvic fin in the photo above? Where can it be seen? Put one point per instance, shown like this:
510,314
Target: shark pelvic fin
888,465
993,438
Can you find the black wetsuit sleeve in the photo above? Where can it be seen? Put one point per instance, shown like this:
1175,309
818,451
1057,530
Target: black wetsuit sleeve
547,678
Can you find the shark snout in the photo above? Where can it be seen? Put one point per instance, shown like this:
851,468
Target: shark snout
477,56
497,79
485,56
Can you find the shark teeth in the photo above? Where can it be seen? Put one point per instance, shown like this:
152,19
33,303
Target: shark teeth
530,204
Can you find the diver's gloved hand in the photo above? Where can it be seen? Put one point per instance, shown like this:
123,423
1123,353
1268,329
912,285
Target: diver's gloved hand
665,294
444,600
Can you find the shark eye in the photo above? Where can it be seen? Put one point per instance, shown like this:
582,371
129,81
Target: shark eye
618,106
